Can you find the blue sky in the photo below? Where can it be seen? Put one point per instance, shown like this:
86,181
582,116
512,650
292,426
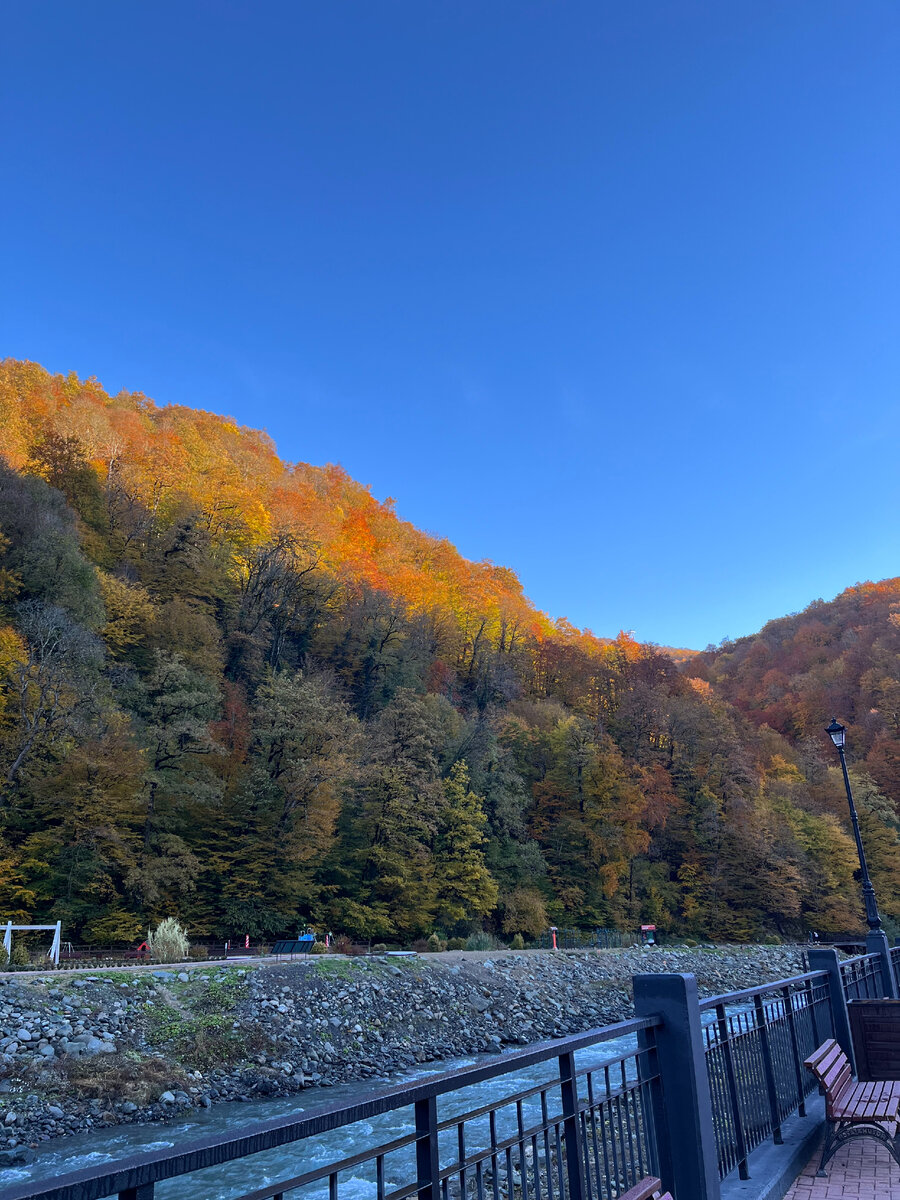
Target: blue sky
607,293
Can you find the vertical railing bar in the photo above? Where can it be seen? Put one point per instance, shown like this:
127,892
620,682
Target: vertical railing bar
604,1143
569,1090
814,1016
610,1108
592,1106
638,1096
585,1155
461,1151
523,1165
731,1078
379,1177
625,1095
545,1121
495,1185
560,1175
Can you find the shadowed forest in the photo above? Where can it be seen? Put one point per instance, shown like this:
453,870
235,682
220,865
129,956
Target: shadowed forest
246,693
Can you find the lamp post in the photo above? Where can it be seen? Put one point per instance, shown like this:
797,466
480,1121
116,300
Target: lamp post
836,732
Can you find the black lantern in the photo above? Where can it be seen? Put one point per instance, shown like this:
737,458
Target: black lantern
836,732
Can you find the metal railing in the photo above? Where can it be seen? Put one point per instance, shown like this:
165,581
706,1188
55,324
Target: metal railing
583,1133
861,978
755,1043
580,939
895,966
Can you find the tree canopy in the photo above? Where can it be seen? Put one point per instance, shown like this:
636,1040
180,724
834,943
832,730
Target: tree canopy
247,693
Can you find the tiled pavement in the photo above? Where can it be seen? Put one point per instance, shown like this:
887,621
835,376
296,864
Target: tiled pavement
863,1170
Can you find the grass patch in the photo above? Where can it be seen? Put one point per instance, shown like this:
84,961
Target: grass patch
197,1027
221,995
335,966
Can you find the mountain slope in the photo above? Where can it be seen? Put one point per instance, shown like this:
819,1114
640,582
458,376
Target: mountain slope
246,693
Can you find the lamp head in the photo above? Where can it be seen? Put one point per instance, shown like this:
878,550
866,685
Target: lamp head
836,732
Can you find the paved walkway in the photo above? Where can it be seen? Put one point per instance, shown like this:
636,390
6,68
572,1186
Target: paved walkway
863,1171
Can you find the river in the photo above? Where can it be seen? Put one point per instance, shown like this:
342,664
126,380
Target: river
99,1147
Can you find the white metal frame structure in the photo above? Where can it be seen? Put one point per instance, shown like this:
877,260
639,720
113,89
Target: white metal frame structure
53,952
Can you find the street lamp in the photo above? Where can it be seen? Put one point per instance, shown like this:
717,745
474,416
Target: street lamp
836,731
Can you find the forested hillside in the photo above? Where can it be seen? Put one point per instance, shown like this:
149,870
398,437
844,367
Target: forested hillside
245,692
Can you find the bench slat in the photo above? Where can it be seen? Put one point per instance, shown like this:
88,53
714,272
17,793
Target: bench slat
866,1102
821,1052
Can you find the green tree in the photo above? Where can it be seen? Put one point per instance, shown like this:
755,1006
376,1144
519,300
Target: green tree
464,888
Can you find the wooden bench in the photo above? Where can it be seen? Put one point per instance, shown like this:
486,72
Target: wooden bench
853,1109
647,1189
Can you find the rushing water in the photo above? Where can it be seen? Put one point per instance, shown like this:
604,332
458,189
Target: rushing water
98,1148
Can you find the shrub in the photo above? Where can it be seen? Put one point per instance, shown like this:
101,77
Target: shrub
456,944
479,941
379,948
168,942
518,942
435,945
342,945
20,956
690,942
199,952
4,957
318,948
420,945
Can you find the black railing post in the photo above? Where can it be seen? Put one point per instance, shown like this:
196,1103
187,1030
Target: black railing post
768,1069
788,1001
824,958
571,1127
687,1127
877,943
428,1167
138,1193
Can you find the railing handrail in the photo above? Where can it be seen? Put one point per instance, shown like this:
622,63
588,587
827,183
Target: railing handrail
776,986
156,1166
859,958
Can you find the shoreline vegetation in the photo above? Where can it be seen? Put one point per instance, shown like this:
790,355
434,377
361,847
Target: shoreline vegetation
111,1047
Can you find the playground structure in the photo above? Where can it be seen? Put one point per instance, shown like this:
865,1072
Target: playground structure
52,953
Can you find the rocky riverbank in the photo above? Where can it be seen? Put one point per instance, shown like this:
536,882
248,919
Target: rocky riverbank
116,1047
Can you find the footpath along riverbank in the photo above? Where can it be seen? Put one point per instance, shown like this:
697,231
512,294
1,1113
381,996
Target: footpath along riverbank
114,1047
